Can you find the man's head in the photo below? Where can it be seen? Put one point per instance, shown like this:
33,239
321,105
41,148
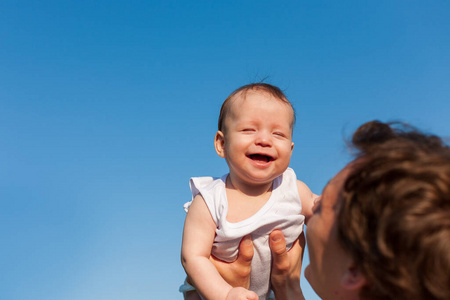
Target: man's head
394,213
385,220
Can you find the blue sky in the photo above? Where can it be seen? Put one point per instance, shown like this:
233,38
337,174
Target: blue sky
107,108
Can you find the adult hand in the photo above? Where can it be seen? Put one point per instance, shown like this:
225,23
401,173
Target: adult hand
237,273
286,266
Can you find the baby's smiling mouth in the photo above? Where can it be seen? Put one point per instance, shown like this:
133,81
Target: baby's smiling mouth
260,157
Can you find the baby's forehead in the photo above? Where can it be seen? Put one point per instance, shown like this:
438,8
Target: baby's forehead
252,92
241,97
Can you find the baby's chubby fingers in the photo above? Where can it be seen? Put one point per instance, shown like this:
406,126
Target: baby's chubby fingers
240,293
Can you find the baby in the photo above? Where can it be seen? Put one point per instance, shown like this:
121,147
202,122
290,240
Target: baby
259,194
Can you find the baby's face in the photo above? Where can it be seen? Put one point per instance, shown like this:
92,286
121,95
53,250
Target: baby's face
258,139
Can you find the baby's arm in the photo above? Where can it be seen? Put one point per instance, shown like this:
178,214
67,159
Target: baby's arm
307,198
198,237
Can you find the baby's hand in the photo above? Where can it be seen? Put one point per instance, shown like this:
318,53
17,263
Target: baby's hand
239,293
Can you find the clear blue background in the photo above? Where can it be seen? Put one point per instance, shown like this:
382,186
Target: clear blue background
108,107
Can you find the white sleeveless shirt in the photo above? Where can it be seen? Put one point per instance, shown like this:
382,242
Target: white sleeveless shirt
281,211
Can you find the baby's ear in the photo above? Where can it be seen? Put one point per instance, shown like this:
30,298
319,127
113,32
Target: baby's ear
219,144
353,278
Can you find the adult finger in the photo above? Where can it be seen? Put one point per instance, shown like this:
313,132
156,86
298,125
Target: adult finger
277,245
246,251
237,273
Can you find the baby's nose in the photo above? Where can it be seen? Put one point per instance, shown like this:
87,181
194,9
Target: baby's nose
264,139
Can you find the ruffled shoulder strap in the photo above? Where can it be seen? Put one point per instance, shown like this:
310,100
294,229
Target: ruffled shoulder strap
213,192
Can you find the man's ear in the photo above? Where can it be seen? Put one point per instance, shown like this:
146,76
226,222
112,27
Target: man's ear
353,278
292,147
219,144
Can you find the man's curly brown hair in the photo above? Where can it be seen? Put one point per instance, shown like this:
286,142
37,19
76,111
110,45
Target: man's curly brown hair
394,212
